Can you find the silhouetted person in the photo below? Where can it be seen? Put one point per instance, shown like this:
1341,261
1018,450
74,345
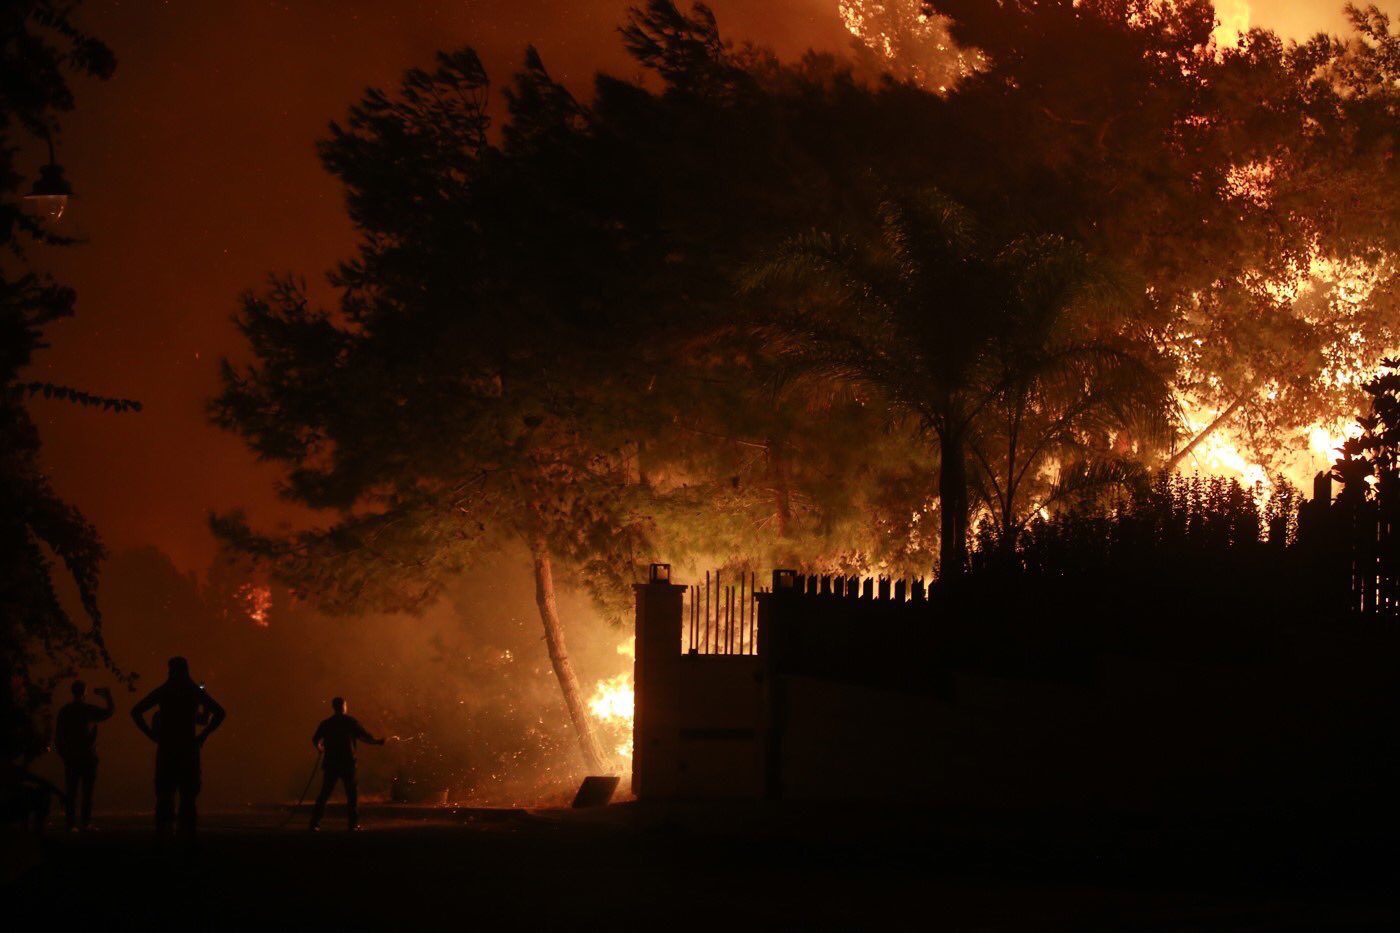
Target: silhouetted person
183,706
75,740
336,738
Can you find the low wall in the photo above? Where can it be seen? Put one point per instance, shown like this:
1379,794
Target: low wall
858,699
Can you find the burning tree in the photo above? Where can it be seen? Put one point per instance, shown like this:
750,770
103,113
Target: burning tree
988,347
1236,186
905,39
1227,190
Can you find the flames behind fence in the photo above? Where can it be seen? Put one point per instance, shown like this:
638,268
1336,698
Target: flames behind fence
721,619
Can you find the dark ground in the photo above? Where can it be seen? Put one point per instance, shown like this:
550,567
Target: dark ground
629,866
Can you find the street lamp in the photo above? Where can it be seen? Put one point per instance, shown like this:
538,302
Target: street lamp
48,199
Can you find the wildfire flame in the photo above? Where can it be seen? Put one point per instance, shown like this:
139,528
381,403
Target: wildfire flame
256,603
1223,453
1351,360
612,706
1232,20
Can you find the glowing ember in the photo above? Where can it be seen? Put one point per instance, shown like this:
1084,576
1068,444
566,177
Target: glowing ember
255,602
1252,182
860,21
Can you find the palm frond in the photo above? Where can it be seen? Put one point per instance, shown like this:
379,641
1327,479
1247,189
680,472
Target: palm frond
1084,480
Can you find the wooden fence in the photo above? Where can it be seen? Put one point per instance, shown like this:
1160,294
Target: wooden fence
1351,547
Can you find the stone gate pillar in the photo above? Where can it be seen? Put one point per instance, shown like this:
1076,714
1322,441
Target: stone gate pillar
656,718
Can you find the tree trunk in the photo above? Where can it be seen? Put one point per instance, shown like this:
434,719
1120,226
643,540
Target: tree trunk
1010,529
559,656
1220,419
952,505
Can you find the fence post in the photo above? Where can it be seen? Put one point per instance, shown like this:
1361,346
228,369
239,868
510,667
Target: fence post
776,611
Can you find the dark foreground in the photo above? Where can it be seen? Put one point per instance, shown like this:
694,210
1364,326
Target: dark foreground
627,866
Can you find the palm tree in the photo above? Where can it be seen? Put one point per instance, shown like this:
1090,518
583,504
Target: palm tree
1005,355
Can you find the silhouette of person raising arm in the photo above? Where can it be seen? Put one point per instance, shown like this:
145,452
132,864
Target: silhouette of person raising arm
336,738
75,740
183,706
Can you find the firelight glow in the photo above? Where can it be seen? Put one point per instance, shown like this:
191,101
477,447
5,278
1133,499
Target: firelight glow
612,706
1232,21
256,603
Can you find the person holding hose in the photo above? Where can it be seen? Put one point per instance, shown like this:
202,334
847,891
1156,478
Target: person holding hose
335,738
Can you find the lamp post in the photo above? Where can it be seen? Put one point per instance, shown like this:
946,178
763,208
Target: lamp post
48,199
